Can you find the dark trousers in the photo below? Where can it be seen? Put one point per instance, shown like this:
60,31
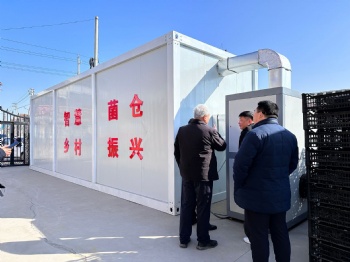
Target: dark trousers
257,226
192,194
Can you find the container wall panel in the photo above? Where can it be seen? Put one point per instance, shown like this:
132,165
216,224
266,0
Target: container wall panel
42,131
144,173
70,131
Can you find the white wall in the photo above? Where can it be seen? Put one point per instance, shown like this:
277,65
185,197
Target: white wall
145,76
68,99
41,133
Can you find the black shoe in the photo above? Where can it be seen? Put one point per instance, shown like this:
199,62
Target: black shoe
212,227
185,244
210,244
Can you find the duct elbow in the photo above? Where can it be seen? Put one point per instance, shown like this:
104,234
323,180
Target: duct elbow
278,66
273,60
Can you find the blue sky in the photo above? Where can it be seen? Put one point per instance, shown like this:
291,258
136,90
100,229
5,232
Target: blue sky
313,35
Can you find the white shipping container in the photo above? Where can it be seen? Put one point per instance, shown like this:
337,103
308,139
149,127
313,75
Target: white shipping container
112,128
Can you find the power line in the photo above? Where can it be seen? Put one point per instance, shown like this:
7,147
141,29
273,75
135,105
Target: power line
14,41
25,106
43,70
24,98
36,71
35,26
36,67
27,52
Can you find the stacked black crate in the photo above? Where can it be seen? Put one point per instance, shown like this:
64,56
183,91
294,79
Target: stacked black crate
327,143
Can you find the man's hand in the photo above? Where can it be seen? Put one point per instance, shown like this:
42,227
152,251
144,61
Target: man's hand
7,150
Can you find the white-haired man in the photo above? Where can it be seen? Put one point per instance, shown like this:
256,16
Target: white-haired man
194,153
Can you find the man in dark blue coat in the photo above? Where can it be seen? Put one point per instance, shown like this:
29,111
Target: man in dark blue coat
194,153
266,158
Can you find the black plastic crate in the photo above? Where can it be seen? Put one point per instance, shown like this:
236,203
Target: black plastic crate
334,100
330,177
330,233
328,159
324,251
326,195
324,120
336,216
335,139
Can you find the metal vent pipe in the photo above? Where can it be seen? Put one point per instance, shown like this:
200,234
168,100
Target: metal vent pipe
278,66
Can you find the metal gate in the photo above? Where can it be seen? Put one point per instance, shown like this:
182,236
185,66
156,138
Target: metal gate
15,127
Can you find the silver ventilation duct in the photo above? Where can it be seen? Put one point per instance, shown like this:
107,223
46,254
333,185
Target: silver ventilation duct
278,66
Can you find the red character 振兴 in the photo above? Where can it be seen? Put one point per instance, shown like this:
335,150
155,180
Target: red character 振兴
136,147
112,147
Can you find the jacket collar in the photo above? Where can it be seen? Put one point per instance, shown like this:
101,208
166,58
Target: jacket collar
269,120
196,121
248,127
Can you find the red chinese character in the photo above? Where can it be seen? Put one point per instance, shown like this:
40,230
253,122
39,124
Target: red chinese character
66,116
112,147
136,147
113,110
77,115
77,147
136,104
66,145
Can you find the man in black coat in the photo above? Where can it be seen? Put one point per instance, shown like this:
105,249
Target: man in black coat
245,123
194,153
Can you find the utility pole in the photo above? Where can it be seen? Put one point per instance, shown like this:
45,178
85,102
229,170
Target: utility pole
78,63
31,91
96,42
14,105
